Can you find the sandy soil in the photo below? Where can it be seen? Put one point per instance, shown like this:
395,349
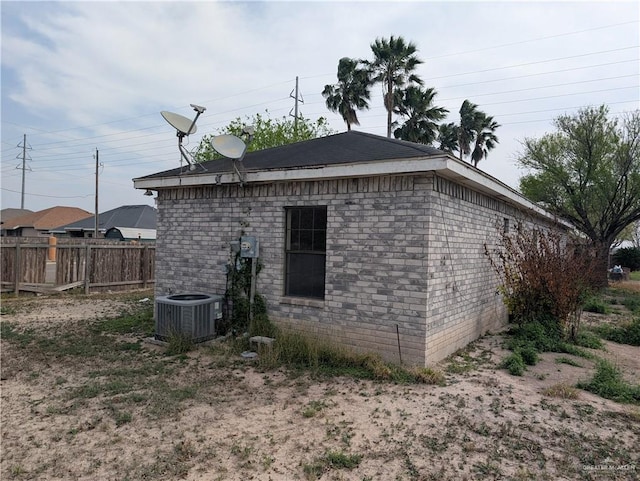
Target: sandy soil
142,415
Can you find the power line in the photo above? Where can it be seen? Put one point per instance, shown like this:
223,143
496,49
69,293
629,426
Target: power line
483,49
52,196
533,63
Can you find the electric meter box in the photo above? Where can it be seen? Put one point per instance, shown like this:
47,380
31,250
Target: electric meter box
249,247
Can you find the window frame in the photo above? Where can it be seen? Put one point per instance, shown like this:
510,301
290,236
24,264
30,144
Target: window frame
303,242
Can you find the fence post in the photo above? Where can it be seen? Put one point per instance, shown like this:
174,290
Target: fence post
87,267
145,261
18,270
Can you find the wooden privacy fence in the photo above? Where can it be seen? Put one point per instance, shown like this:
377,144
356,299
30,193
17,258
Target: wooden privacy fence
88,265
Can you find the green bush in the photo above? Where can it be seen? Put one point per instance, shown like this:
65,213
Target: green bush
597,305
608,383
589,339
514,364
632,303
543,336
628,333
529,355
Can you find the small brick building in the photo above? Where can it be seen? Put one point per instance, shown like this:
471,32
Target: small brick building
375,243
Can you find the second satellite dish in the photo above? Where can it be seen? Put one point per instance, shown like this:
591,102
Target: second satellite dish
233,148
229,146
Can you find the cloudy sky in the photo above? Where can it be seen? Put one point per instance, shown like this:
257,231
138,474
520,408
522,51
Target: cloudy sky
84,76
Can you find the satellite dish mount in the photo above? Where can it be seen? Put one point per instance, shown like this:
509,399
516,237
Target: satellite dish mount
184,127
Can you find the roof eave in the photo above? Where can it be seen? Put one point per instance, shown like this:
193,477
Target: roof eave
319,172
445,165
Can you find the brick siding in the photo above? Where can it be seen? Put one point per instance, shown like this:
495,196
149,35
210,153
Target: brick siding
406,272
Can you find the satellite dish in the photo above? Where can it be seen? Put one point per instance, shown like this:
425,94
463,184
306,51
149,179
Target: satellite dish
229,146
233,148
179,122
184,127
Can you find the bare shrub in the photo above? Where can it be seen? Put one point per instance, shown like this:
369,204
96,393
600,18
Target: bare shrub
544,276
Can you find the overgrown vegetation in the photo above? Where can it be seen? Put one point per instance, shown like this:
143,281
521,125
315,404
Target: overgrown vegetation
543,277
300,424
178,343
608,383
596,304
238,295
546,282
625,333
297,350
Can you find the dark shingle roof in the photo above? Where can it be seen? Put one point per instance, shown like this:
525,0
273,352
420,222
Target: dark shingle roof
345,148
141,216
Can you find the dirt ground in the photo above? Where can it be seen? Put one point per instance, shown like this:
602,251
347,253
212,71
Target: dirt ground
137,414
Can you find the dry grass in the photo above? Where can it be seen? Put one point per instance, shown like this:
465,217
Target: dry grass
633,286
562,391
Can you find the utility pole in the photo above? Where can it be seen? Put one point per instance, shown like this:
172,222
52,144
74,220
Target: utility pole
95,234
24,166
295,108
24,162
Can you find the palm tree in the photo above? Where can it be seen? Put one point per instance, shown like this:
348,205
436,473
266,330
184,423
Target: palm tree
469,117
422,116
474,136
448,137
486,139
350,93
393,65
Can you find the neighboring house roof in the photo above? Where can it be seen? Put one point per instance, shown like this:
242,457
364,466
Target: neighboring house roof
131,233
140,216
47,219
10,213
625,244
349,154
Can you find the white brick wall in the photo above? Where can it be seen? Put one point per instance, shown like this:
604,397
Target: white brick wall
404,254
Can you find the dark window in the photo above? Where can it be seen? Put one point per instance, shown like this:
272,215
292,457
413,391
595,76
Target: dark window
305,251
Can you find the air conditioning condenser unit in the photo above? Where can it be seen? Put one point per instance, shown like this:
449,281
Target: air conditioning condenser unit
191,315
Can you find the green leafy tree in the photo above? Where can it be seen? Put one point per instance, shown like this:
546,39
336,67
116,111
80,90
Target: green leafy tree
628,257
268,132
588,172
421,125
393,65
351,93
